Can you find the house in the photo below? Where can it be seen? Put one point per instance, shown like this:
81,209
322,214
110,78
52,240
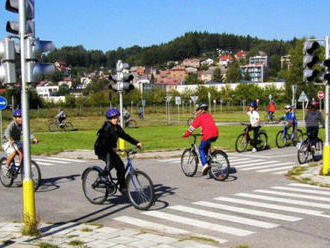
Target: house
67,82
207,62
225,60
257,72
259,60
62,66
285,61
191,63
240,55
205,76
46,91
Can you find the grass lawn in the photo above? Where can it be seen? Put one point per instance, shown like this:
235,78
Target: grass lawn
153,138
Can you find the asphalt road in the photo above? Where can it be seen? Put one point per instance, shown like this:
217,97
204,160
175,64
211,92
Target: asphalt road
258,206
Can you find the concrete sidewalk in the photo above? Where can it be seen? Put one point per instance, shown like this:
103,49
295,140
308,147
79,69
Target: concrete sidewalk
96,236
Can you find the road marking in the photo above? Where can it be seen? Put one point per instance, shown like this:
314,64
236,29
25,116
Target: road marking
248,211
271,206
250,162
308,186
199,224
280,172
69,159
267,166
276,169
225,217
284,200
49,160
302,190
317,198
42,163
260,163
237,159
163,228
170,160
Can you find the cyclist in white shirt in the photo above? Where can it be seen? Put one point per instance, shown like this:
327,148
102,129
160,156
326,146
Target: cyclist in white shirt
254,124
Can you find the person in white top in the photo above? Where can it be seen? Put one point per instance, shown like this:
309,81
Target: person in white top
254,124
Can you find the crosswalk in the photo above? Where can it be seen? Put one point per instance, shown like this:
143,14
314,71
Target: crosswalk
225,218
53,161
248,163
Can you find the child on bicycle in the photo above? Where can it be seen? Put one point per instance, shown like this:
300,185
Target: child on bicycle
312,120
290,117
271,110
11,141
112,131
210,133
60,117
254,124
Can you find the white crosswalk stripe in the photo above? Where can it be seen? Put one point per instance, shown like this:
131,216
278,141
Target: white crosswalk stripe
52,161
318,198
318,192
253,166
266,166
276,169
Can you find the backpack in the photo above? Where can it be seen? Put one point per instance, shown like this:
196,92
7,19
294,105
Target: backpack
100,145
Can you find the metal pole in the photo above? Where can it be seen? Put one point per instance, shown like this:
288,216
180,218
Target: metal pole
12,104
28,189
121,108
326,149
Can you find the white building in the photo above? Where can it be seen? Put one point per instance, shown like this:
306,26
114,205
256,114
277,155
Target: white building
257,72
47,91
259,60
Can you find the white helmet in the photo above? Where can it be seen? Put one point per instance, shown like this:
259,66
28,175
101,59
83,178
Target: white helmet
288,107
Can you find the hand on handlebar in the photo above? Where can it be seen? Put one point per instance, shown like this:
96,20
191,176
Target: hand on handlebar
139,145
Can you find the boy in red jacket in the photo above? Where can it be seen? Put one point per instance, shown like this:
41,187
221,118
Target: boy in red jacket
210,133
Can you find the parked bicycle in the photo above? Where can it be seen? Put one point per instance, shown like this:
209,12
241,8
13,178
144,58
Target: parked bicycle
244,140
217,159
97,187
287,137
8,175
55,125
305,150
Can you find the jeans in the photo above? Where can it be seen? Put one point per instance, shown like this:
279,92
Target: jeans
204,147
312,133
255,134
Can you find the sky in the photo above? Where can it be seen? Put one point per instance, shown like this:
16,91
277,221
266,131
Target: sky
108,24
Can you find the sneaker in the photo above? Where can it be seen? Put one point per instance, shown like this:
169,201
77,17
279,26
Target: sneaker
312,148
254,150
205,169
123,190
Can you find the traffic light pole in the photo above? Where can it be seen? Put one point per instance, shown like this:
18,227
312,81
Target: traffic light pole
121,141
326,149
28,187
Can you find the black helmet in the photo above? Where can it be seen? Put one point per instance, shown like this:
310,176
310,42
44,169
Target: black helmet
203,106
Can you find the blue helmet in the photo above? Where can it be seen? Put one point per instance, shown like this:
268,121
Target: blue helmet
17,113
112,113
253,104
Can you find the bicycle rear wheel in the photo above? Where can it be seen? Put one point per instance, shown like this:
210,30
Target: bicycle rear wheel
189,162
303,152
318,153
6,176
140,190
220,167
281,139
94,188
262,141
241,143
35,174
53,127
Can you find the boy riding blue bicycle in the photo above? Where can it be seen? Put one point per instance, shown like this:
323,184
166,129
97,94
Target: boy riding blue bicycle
290,117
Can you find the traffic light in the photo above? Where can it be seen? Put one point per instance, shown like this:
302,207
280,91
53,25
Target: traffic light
7,66
326,75
310,60
34,49
123,78
13,26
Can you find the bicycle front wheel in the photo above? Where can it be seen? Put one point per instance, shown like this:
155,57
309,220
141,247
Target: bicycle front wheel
220,167
53,127
318,153
241,143
262,141
140,190
303,153
6,176
68,126
35,174
281,139
94,188
189,162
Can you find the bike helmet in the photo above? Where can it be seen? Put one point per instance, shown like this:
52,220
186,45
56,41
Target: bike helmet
203,106
315,103
288,107
253,104
17,113
112,113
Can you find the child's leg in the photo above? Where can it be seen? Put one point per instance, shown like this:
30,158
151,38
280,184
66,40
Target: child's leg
10,158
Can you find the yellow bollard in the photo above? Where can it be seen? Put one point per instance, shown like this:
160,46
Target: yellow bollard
122,145
326,160
29,204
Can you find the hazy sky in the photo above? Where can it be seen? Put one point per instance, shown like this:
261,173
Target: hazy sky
109,24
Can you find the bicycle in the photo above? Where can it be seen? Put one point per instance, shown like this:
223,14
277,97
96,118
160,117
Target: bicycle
217,159
97,187
55,125
284,138
305,150
7,176
271,117
130,123
243,140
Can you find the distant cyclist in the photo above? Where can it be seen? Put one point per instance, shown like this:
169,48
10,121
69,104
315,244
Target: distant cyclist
210,133
11,142
61,116
312,120
290,117
271,110
254,124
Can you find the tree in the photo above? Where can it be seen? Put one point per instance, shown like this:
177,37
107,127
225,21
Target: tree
192,78
233,73
217,75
